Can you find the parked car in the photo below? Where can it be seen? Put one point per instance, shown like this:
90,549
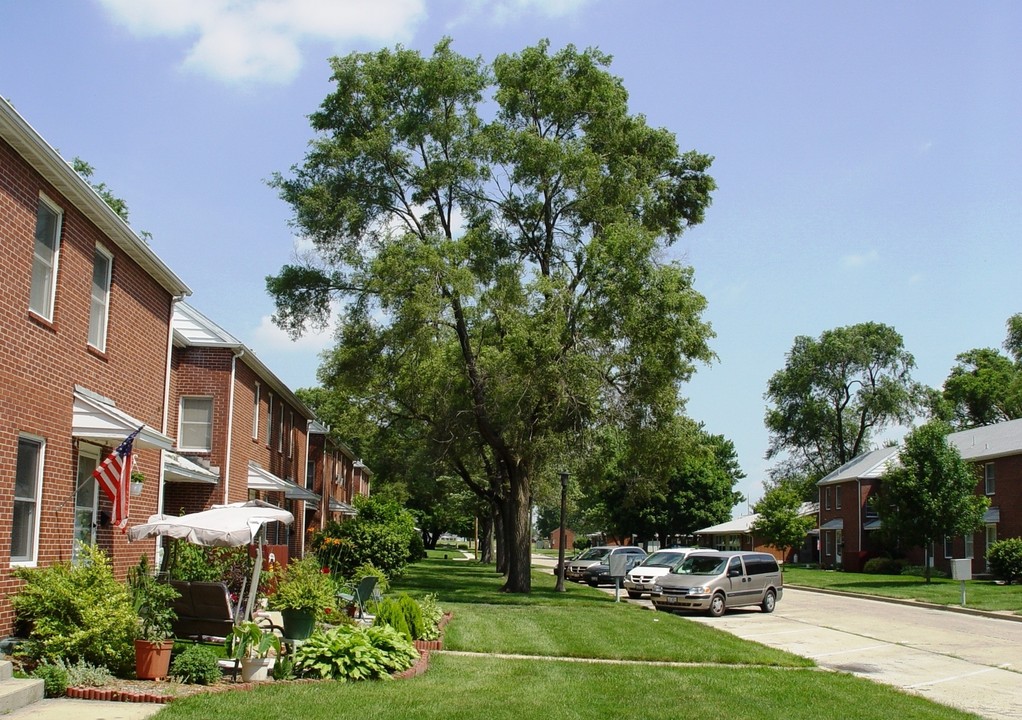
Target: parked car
641,578
599,573
577,568
713,581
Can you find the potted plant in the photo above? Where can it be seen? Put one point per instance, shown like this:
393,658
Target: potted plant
137,478
251,645
153,602
303,593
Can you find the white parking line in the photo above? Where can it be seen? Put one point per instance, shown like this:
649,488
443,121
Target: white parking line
853,650
950,678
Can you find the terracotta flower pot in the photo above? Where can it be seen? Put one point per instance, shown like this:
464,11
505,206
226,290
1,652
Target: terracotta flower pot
152,659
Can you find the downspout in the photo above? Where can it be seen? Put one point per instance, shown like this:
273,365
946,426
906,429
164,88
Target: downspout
238,354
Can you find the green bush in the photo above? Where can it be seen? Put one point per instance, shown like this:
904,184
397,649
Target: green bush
883,566
348,652
197,665
1005,559
77,612
230,565
432,614
383,533
366,569
303,585
54,679
84,674
389,612
413,615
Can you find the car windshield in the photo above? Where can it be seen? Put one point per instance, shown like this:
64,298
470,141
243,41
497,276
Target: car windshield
663,559
701,565
593,554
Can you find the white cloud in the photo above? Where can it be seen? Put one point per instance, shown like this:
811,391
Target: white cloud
260,40
860,260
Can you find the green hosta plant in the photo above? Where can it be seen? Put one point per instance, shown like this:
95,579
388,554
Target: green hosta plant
354,653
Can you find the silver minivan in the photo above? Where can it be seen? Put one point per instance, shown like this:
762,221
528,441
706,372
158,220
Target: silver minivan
713,581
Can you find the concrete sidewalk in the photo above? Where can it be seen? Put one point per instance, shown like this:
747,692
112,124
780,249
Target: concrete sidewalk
67,709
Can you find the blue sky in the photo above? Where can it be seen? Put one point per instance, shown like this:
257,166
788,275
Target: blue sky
868,154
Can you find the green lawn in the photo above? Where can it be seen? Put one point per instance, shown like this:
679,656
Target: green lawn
979,594
742,680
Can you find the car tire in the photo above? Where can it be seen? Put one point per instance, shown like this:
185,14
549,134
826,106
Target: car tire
592,582
769,601
634,594
717,605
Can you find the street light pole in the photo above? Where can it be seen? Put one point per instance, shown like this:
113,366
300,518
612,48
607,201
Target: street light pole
561,540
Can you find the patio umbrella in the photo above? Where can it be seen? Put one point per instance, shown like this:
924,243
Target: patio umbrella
221,526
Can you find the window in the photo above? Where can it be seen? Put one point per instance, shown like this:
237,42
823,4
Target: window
195,431
837,497
269,419
85,499
988,478
827,494
28,480
970,550
100,306
826,543
280,431
949,546
991,538
44,262
871,509
255,412
291,436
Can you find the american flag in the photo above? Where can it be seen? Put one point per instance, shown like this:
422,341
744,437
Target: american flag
113,475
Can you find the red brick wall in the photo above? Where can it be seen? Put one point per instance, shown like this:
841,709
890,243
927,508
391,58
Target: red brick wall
41,362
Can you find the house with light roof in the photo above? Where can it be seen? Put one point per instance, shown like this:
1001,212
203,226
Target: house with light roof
737,534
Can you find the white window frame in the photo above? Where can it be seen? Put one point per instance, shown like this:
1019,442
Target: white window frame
255,413
291,436
36,503
837,497
827,495
269,419
970,545
49,266
280,431
989,538
99,320
989,478
90,454
181,422
827,542
949,547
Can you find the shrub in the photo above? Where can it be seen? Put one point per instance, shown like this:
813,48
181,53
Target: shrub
230,565
196,664
303,585
1005,558
366,569
883,566
354,653
54,679
389,612
77,612
84,674
413,615
432,614
383,533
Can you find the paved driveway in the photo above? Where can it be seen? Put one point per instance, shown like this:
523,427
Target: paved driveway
973,663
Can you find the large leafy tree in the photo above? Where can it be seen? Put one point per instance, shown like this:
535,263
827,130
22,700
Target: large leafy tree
499,280
985,385
834,394
781,522
930,494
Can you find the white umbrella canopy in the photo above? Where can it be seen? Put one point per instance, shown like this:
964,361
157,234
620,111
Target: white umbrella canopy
220,526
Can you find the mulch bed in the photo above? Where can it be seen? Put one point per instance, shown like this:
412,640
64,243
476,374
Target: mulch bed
164,691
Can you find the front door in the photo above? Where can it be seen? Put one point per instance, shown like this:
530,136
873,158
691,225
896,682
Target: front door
85,499
839,546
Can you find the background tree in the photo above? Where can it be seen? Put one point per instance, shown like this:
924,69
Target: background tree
985,386
499,281
781,523
118,205
834,394
930,494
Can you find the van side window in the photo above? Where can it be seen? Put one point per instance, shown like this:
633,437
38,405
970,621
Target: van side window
761,565
734,568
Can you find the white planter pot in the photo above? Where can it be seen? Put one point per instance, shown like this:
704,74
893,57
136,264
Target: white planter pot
136,489
256,669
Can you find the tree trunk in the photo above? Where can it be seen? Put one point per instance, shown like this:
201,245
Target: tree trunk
926,561
486,539
519,551
500,537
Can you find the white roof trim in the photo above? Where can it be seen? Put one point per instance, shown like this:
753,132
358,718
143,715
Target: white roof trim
98,420
179,469
259,479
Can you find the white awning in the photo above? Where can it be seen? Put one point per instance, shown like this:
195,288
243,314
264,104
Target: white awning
179,469
98,420
992,515
872,525
342,507
260,479
835,524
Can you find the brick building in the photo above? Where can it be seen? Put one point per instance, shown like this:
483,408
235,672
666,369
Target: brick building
85,317
848,518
